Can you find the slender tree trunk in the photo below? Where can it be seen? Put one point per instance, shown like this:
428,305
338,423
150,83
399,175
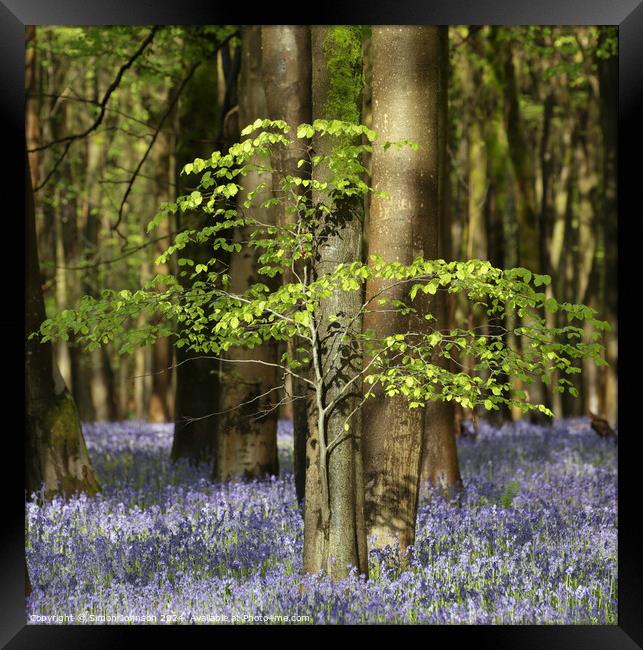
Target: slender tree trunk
544,235
32,126
521,157
197,379
100,383
495,210
439,455
568,263
286,61
67,214
476,244
334,530
608,88
247,441
56,454
589,236
160,393
520,152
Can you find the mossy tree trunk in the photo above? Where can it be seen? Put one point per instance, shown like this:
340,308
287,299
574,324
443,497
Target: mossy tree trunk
334,529
247,440
56,454
286,62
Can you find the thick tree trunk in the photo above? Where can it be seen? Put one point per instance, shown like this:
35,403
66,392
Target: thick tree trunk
286,61
406,72
247,441
334,531
56,454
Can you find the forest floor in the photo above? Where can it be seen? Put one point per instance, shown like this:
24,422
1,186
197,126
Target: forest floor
533,540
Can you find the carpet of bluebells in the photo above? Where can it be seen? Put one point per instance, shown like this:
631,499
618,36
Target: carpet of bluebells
532,540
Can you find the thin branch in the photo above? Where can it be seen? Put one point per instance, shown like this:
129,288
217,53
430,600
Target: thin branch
68,140
151,144
270,311
52,171
234,408
94,102
99,262
103,103
347,434
473,29
354,378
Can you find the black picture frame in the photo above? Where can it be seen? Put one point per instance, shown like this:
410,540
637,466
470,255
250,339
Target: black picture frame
627,14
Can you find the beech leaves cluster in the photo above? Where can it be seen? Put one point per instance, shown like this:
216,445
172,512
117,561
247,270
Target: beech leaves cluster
426,362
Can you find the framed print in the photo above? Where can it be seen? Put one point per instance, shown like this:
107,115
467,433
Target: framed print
322,320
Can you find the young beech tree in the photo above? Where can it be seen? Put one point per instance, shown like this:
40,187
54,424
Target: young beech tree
334,526
329,346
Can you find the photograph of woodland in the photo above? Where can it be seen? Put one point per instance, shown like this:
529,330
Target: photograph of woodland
321,324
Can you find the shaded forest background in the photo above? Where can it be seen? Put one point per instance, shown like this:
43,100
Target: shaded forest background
113,114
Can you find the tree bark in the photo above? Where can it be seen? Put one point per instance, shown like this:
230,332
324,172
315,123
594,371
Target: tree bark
286,60
334,530
247,441
406,73
56,454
